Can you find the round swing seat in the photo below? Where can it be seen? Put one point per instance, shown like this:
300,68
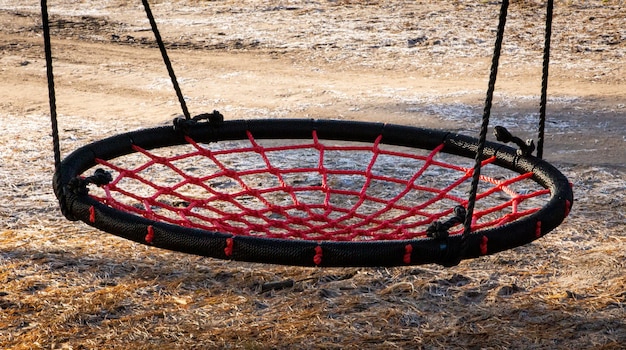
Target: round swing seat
311,192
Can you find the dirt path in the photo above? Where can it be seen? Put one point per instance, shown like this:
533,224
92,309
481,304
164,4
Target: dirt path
334,61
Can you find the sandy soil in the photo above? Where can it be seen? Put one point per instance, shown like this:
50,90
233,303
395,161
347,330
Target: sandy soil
421,63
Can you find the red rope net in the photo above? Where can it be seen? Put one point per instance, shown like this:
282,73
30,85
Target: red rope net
311,189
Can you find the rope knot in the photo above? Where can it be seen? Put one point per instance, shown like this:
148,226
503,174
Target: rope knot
99,178
439,230
450,249
526,148
184,124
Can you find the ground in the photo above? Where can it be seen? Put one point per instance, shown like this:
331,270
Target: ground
422,63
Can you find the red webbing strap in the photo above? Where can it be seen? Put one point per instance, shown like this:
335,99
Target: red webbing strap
388,216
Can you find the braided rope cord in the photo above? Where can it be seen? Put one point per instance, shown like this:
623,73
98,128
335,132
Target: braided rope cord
50,75
485,120
166,59
56,142
544,79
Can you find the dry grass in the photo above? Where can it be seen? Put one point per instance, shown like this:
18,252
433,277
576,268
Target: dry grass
64,285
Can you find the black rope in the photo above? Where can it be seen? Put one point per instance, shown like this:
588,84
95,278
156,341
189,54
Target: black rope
439,230
56,144
544,79
485,124
166,59
503,135
99,178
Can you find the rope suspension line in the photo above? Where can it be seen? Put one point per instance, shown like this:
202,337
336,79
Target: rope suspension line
50,75
166,59
485,120
544,79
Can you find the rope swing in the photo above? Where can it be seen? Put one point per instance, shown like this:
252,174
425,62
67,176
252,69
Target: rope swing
314,192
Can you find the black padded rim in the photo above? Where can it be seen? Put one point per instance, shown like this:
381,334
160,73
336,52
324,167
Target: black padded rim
308,253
